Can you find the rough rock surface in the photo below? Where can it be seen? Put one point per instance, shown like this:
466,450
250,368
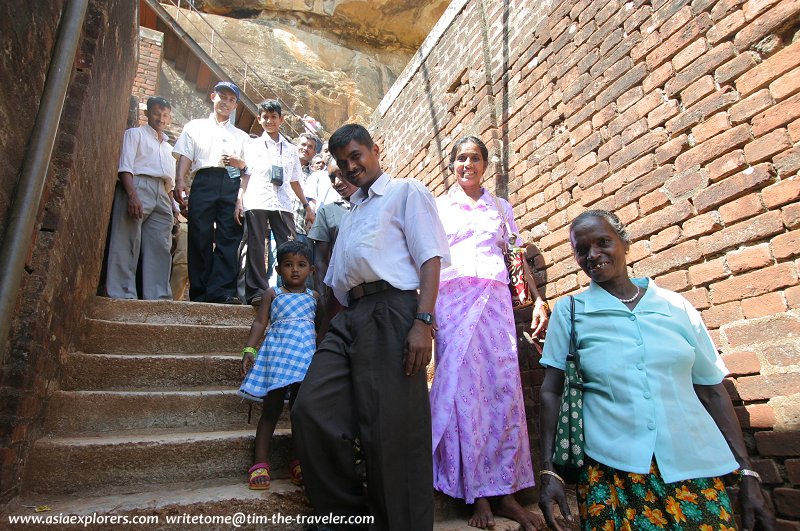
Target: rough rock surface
333,60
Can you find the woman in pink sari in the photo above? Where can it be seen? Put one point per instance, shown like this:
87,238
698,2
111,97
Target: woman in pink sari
481,452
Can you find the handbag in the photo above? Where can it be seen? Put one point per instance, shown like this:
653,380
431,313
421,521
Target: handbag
568,454
514,256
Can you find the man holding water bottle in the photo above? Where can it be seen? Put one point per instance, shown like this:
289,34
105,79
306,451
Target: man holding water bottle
211,150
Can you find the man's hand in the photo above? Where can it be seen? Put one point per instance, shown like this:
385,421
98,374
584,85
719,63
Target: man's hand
180,193
310,217
238,212
233,160
418,348
135,206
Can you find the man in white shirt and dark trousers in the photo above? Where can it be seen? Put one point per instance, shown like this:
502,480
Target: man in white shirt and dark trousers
213,149
265,196
142,218
367,378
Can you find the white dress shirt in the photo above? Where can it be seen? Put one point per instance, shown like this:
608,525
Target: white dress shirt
145,153
387,235
318,187
205,140
261,154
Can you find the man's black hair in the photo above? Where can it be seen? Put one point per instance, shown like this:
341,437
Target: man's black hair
346,134
152,101
270,106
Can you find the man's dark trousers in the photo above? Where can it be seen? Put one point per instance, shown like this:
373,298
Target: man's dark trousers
356,386
259,223
212,252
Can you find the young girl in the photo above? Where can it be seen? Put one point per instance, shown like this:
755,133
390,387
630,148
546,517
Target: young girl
283,358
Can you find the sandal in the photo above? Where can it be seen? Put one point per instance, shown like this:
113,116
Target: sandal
257,471
297,473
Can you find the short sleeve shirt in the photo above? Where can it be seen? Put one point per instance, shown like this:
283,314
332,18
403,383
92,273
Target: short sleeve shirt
204,141
329,218
639,367
260,155
144,152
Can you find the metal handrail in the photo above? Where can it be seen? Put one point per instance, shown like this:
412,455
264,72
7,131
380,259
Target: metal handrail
215,35
25,208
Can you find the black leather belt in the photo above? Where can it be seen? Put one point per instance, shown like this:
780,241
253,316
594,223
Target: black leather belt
368,288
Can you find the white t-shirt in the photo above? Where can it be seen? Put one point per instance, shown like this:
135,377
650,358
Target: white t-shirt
144,153
205,140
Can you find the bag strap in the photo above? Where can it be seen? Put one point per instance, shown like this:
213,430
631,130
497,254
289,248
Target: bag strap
573,344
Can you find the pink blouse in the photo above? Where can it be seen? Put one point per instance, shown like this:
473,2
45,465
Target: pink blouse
475,233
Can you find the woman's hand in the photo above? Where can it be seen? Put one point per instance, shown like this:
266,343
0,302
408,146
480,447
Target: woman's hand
756,514
539,319
248,360
552,493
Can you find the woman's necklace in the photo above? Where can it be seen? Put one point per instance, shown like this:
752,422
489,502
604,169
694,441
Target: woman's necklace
626,301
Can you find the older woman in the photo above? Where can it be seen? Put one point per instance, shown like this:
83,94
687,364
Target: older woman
480,436
659,427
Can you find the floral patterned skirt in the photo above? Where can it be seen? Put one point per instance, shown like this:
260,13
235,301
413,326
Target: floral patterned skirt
610,499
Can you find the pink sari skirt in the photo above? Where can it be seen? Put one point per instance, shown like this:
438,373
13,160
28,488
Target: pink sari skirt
480,435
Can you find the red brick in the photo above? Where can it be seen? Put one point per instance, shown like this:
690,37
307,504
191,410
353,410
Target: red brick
794,128
713,147
629,98
755,283
787,502
709,61
610,147
764,24
732,187
708,272
742,260
740,209
700,225
662,113
668,48
639,250
768,145
742,362
787,162
637,148
777,443
792,297
767,469
698,298
764,387
785,85
793,470
628,213
689,54
726,164
763,305
712,126
671,149
772,68
722,314
779,114
725,27
675,281
697,90
652,201
751,106
706,107
782,355
686,184
786,245
668,260
756,416
735,67
657,221
782,192
766,329
790,214
752,8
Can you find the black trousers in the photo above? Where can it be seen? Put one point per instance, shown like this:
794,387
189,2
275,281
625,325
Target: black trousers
259,223
213,237
356,386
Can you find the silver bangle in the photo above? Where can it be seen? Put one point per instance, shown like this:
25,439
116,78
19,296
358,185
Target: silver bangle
551,473
751,473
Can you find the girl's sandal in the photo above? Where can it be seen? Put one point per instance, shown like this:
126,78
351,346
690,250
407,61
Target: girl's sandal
259,476
297,473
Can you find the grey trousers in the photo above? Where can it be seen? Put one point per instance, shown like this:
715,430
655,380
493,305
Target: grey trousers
356,386
149,236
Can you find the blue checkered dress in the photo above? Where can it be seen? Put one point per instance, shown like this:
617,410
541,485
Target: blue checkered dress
286,353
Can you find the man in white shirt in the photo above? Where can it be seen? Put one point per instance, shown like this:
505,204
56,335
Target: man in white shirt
367,379
306,149
213,150
265,196
142,217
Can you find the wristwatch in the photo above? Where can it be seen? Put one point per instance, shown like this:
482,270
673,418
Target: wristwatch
426,318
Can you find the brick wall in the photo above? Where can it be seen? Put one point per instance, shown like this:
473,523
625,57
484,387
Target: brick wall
145,84
681,116
66,253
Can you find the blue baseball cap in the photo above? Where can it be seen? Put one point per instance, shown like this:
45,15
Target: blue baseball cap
227,85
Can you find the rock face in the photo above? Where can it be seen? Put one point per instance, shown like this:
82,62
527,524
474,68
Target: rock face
330,59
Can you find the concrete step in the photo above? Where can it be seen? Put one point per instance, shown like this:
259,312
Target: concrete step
100,412
114,337
170,312
165,372
124,463
215,497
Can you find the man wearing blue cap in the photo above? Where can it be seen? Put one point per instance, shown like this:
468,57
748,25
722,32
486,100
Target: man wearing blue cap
213,149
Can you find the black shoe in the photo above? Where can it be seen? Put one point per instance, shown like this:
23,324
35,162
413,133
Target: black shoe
256,301
230,299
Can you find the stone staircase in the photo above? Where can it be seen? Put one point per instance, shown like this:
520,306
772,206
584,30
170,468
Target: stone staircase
146,422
